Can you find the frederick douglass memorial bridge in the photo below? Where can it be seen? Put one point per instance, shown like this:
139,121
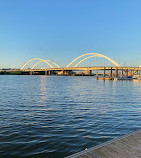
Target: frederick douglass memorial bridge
76,65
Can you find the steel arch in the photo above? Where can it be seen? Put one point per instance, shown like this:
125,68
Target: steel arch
41,60
96,54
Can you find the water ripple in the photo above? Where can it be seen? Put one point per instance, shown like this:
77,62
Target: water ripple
56,116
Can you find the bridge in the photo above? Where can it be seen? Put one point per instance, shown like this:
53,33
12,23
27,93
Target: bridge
76,65
88,56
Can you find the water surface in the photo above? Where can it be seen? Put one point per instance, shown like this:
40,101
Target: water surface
54,117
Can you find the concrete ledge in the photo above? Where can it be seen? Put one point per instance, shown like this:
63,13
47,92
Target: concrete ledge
125,146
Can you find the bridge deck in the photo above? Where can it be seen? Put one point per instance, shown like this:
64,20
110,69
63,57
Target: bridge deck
128,146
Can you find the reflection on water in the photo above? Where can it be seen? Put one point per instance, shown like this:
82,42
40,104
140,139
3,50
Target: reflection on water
137,81
46,116
43,91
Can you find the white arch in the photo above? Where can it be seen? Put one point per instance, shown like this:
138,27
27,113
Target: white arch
38,62
43,61
55,63
84,60
100,55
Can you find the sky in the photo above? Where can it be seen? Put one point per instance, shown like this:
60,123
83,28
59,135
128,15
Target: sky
61,30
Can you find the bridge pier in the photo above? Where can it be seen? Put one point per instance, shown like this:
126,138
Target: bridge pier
116,72
68,73
31,72
111,74
127,73
104,74
63,73
49,72
122,72
45,73
97,75
132,72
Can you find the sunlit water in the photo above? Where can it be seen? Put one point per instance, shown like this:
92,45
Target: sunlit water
54,117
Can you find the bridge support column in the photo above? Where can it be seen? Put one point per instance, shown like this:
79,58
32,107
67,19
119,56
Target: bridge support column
127,73
111,74
104,73
67,73
49,72
97,75
132,73
122,72
31,72
45,72
116,72
63,72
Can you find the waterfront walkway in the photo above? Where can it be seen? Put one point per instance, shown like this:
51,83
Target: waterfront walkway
128,146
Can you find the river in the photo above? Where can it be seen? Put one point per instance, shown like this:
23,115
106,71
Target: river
55,116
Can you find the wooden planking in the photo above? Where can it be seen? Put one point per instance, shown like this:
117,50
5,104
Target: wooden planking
128,146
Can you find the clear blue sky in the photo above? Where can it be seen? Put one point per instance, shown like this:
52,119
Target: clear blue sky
61,30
